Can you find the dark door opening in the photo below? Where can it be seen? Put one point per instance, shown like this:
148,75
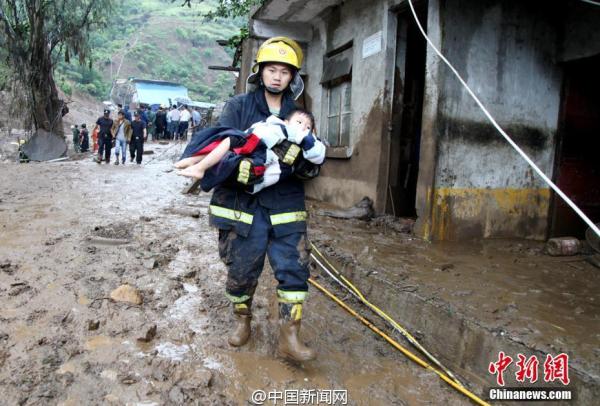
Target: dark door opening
409,82
577,168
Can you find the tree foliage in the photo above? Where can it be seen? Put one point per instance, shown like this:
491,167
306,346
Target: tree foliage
230,9
36,33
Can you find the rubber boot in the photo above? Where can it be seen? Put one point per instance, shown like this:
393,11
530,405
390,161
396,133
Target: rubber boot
290,346
241,330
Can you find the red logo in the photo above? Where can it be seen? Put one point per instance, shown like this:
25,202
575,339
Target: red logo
555,368
498,367
527,369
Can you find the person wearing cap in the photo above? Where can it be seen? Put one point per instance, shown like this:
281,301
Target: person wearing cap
139,135
271,222
104,125
122,132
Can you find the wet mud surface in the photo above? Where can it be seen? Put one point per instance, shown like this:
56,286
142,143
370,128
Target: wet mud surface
72,232
511,289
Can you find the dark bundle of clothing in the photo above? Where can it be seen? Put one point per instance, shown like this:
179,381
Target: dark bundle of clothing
243,147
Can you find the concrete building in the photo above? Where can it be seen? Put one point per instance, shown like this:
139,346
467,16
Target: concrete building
404,132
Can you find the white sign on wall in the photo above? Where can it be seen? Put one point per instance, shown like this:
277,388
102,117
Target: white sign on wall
372,45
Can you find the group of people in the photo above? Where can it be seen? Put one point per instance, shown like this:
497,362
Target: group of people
81,138
268,220
174,123
118,134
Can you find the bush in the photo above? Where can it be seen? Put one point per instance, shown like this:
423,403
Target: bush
65,87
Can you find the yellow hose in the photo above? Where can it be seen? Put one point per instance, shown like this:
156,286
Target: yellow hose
399,347
384,315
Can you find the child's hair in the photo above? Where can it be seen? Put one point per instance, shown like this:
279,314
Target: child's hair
303,112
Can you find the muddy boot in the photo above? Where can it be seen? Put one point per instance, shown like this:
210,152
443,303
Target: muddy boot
241,330
290,346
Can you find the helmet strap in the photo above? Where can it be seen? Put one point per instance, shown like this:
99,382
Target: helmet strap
273,91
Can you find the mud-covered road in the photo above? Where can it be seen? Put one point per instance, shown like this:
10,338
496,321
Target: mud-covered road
72,232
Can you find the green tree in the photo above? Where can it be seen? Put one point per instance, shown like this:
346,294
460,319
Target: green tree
230,9
36,33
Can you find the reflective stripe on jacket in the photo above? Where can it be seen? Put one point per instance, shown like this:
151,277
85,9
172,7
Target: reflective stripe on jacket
233,208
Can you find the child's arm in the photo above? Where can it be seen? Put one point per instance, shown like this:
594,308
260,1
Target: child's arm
313,150
197,171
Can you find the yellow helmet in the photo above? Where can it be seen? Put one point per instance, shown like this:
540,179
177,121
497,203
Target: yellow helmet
279,49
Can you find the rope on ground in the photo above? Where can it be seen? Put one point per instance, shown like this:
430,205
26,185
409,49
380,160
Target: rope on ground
500,130
400,348
358,294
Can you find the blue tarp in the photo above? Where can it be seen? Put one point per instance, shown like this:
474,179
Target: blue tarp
155,93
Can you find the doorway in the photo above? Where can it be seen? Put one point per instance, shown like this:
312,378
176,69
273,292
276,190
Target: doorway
577,163
407,109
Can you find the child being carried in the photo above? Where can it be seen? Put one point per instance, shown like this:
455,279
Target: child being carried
267,152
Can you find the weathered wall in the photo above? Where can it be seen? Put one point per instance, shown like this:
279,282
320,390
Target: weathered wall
345,181
581,37
506,52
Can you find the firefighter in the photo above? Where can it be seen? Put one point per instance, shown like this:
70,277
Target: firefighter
273,221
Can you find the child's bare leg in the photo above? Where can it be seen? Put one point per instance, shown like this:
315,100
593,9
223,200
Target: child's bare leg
197,171
184,163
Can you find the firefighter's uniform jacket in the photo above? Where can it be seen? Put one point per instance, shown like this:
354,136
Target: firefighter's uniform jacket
272,221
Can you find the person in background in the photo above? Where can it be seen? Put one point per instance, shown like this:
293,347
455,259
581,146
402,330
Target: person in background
161,123
196,119
104,125
122,133
143,114
127,113
151,124
138,136
184,121
175,115
84,138
75,132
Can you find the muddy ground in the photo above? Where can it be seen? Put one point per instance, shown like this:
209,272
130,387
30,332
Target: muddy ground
72,232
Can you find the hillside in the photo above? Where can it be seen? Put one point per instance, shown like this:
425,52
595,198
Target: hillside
157,39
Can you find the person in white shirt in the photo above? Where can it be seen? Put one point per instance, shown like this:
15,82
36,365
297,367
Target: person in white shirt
184,120
174,114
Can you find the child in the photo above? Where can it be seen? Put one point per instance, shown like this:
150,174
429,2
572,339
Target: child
281,142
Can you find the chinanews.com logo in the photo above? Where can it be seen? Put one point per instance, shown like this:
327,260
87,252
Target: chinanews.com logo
555,369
